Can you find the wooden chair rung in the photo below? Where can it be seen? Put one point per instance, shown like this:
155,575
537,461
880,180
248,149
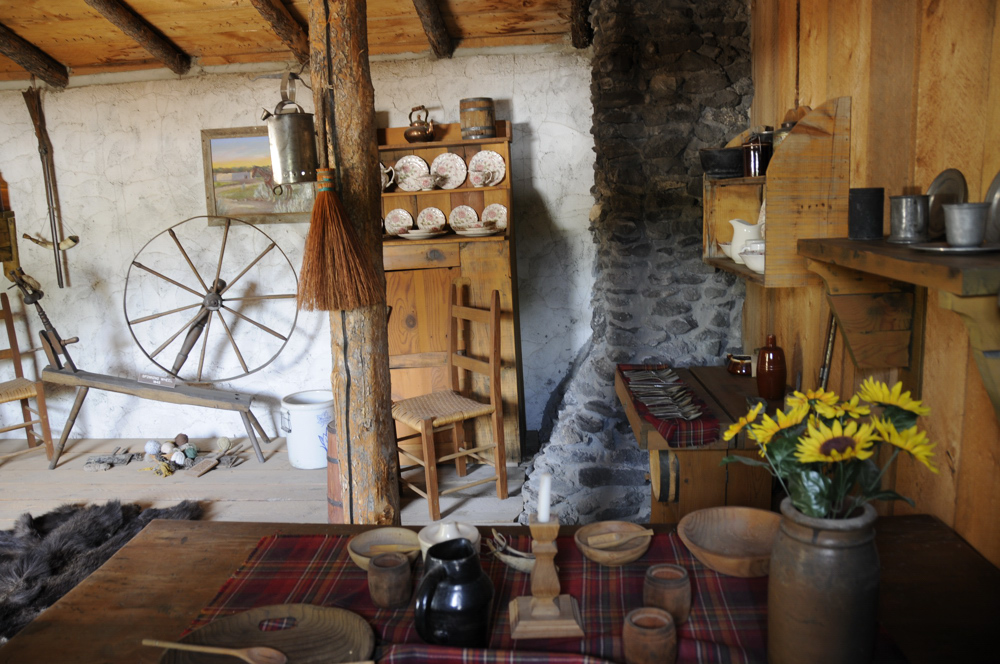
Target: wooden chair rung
23,425
468,485
470,452
414,487
420,462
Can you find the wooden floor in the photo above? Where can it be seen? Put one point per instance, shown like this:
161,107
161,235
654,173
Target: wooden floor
272,491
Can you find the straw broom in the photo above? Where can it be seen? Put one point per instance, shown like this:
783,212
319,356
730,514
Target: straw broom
337,273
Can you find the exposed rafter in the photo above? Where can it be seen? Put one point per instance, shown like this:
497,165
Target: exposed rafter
579,24
285,26
32,58
125,19
434,27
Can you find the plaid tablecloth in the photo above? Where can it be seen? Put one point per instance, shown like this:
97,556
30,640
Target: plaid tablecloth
677,432
727,623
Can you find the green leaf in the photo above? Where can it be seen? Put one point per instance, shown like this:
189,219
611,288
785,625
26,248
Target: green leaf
809,491
890,495
900,417
750,461
868,476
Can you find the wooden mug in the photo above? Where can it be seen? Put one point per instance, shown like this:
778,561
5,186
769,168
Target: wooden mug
389,580
668,587
649,637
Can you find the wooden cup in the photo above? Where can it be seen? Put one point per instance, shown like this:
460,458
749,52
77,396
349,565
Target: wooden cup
649,637
668,587
389,580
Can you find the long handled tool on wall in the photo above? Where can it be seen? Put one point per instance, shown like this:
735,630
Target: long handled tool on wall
33,98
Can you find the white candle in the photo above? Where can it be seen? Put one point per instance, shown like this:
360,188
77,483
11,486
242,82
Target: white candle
544,497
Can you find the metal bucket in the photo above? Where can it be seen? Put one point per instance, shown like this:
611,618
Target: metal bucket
291,136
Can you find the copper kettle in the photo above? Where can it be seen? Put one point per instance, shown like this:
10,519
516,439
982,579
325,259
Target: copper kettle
421,129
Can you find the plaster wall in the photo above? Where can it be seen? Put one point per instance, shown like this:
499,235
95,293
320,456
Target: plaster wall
128,165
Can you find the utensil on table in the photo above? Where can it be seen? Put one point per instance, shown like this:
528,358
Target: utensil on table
608,540
392,548
254,655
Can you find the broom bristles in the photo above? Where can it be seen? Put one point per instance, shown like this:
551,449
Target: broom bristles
337,274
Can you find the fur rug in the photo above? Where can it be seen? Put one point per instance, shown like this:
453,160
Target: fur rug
42,558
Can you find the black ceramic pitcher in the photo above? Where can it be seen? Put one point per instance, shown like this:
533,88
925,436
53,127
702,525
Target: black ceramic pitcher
454,597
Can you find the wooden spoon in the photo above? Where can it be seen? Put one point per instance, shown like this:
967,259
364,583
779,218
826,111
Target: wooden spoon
392,548
255,655
608,540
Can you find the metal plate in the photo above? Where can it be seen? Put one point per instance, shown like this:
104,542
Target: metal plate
993,220
945,248
948,187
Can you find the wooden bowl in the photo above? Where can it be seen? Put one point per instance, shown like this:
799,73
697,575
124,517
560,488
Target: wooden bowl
735,541
359,546
615,556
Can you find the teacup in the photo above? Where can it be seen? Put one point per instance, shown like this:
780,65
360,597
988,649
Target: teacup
388,176
429,181
483,178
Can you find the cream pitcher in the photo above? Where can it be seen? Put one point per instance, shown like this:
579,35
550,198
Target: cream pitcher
742,232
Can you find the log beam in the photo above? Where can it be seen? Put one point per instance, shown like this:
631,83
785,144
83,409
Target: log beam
34,60
437,33
345,109
289,31
579,24
125,19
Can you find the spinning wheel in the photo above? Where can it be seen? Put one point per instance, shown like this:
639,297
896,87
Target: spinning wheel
226,292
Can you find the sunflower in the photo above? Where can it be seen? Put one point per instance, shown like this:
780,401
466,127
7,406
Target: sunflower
852,409
768,428
835,442
875,391
823,401
913,441
736,427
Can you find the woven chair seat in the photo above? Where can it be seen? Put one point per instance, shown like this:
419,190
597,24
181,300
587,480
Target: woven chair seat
445,407
19,388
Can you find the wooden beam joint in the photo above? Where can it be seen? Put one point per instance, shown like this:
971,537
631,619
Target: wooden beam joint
288,30
981,316
132,24
437,33
34,60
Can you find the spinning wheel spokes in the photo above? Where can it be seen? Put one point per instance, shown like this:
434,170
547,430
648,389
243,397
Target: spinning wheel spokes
259,300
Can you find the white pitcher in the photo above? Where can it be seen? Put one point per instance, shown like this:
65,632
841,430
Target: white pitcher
742,231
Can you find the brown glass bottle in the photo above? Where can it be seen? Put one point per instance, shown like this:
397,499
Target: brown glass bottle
771,373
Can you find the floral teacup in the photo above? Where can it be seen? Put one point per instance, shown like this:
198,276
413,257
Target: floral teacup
429,181
483,178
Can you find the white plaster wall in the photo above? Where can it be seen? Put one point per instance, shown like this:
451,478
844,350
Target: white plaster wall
128,165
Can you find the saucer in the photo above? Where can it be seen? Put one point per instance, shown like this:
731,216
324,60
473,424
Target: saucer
488,160
497,214
451,167
431,219
463,217
479,232
423,235
408,169
398,221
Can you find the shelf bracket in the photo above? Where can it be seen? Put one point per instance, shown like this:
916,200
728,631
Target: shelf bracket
981,316
874,314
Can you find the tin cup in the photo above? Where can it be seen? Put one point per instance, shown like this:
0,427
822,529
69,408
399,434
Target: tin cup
908,217
965,223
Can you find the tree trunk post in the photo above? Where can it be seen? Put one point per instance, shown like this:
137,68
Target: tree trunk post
345,112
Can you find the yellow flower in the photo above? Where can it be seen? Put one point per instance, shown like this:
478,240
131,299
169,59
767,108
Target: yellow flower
875,391
766,430
736,427
835,443
820,399
852,409
913,441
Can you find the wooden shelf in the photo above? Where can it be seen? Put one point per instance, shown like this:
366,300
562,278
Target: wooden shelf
445,135
464,189
729,265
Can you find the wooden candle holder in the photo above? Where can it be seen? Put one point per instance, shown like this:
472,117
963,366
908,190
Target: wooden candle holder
546,614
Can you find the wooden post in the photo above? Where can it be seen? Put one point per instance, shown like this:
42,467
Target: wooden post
345,111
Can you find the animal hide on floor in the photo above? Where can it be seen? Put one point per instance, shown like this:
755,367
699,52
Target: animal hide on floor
42,558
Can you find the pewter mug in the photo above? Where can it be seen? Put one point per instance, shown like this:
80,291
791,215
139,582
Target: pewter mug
965,223
908,217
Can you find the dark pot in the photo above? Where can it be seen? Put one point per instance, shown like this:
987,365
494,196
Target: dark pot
454,597
822,593
722,162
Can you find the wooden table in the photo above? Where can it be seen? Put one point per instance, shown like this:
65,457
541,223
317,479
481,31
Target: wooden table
940,600
683,480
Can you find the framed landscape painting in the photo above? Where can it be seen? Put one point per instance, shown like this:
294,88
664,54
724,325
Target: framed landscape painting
239,182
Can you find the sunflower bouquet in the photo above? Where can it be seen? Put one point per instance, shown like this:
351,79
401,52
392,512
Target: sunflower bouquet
823,450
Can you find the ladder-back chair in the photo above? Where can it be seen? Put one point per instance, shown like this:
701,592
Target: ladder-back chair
21,389
450,409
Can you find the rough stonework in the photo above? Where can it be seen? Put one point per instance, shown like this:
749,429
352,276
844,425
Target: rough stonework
669,77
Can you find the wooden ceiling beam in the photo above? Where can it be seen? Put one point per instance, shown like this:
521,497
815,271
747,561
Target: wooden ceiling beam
285,26
33,59
429,13
125,19
579,24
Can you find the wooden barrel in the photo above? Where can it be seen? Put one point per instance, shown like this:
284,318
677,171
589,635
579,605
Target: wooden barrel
478,118
334,488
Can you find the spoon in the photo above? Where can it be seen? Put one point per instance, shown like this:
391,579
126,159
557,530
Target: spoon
255,655
392,548
609,540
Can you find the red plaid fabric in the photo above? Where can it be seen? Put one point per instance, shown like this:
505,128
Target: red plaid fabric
678,433
727,623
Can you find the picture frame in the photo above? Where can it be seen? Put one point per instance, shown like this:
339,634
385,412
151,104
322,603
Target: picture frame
238,180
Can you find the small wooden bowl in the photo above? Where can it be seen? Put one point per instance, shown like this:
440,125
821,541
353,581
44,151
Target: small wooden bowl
735,541
359,546
615,556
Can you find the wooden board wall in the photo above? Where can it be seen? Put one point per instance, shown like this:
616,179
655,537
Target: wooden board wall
924,78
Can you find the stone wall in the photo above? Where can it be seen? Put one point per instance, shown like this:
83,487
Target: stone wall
669,77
